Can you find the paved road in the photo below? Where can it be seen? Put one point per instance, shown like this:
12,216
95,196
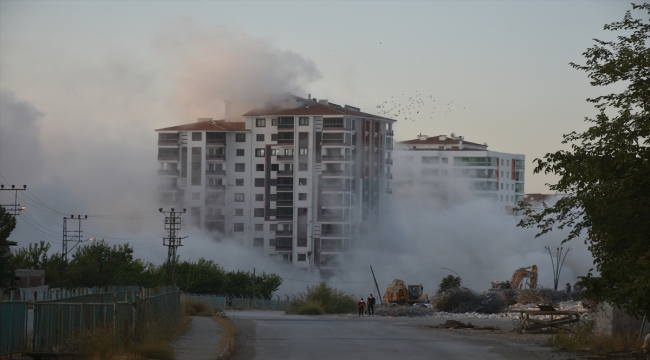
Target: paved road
274,335
201,342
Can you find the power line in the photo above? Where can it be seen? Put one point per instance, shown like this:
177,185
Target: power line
76,238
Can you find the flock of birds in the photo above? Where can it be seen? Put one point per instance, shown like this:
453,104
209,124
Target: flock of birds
415,107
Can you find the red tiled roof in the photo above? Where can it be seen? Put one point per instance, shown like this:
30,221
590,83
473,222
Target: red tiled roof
311,109
213,125
436,140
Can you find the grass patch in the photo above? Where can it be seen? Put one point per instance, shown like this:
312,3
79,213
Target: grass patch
322,299
585,340
228,337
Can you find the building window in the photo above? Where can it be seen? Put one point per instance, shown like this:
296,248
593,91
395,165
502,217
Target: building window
445,160
273,197
302,196
260,137
259,182
239,197
302,242
302,151
303,167
258,212
240,167
196,195
259,167
501,186
260,122
239,212
196,136
259,197
302,181
274,137
258,242
240,137
501,197
273,227
239,182
259,152
275,167
304,121
238,227
274,122
444,172
302,257
259,227
239,152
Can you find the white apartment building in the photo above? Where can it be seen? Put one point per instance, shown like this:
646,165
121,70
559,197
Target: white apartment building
448,167
297,179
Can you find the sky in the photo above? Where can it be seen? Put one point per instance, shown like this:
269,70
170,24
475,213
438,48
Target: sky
83,84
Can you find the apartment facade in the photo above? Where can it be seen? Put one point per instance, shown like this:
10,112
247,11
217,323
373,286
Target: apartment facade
298,179
448,168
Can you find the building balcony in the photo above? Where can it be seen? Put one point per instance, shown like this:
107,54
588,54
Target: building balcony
285,173
284,203
215,201
329,218
215,218
336,128
215,173
335,188
215,142
168,157
284,217
215,187
388,176
169,142
328,172
285,126
335,142
327,157
389,161
168,172
284,248
168,187
285,157
390,133
284,188
283,233
389,191
215,157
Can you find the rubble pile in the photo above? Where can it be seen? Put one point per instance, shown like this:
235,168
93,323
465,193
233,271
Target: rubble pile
543,296
403,311
462,300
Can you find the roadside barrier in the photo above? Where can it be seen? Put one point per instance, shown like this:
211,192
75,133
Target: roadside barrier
223,302
62,316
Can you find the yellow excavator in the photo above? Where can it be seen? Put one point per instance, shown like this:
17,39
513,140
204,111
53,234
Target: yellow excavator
400,293
517,282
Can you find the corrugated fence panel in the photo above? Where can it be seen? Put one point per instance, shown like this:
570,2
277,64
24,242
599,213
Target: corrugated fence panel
13,327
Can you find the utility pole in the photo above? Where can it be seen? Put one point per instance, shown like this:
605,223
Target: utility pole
172,241
15,206
75,238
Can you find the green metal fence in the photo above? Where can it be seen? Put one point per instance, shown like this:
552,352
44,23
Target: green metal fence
13,326
240,303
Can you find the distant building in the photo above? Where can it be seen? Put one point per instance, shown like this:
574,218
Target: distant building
297,179
448,168
536,200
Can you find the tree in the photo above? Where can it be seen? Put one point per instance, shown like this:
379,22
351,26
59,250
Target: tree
99,264
7,225
606,173
449,282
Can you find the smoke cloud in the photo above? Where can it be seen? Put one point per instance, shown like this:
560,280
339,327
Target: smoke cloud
222,63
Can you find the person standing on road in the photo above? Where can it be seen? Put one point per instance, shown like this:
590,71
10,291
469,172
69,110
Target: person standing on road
361,305
371,305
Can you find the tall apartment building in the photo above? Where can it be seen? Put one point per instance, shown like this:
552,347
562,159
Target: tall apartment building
298,179
448,167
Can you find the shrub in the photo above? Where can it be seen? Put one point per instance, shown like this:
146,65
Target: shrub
311,308
328,299
197,308
585,340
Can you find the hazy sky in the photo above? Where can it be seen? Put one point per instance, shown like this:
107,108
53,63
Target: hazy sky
84,83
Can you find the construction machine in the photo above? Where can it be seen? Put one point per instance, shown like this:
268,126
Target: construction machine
517,282
400,293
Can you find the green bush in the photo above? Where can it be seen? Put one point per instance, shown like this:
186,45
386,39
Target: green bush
312,308
330,300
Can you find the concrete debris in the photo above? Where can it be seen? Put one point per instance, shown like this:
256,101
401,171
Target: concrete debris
461,300
403,311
